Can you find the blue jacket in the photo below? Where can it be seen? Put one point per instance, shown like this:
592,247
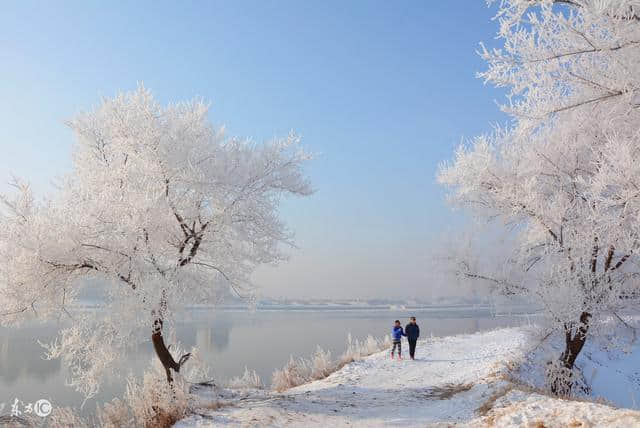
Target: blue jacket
397,333
412,331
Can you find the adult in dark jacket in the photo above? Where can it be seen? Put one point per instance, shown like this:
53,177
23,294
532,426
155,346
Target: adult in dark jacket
412,331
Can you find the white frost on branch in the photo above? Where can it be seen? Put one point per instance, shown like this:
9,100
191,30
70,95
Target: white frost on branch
565,176
160,206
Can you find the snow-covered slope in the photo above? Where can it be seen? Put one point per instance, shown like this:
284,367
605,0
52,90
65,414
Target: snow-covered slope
609,365
520,408
454,380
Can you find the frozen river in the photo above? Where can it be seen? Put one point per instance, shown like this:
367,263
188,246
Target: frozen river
229,340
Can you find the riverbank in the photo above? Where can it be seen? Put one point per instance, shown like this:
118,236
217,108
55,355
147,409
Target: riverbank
465,380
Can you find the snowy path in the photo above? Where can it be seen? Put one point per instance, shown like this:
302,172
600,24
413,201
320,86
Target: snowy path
450,379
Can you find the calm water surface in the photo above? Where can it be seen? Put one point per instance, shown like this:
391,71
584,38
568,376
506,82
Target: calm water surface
228,340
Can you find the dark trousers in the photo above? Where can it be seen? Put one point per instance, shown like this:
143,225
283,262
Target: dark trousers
397,344
412,347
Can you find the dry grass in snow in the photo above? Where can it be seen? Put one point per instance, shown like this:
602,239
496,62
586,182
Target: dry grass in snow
299,371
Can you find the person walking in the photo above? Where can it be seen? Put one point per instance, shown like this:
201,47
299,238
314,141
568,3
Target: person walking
412,331
396,335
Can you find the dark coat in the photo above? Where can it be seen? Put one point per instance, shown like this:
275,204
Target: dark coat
412,331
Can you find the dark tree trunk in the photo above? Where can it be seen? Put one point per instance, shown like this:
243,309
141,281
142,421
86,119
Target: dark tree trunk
163,353
574,342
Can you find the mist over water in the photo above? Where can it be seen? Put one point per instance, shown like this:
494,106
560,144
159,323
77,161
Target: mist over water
229,341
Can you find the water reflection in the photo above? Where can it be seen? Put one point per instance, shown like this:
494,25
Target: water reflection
221,334
228,341
209,330
21,356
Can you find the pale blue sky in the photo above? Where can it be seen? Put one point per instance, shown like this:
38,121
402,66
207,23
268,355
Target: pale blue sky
382,91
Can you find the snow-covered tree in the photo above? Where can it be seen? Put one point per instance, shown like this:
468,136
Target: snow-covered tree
565,175
162,209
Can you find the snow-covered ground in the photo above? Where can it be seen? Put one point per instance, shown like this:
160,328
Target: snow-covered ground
461,380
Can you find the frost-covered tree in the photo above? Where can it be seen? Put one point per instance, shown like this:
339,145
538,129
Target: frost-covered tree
162,209
565,175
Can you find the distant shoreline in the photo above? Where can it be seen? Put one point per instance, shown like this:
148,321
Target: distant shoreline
497,310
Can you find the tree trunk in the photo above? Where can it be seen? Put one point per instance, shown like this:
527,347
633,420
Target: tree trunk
562,382
163,353
574,344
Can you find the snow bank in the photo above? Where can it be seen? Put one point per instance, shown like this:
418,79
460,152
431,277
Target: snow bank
459,380
524,409
609,367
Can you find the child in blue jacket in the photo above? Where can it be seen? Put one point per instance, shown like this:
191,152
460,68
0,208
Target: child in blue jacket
396,336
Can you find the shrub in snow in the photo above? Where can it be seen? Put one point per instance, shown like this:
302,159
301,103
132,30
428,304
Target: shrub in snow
115,414
372,345
299,371
249,380
559,378
357,350
352,353
65,417
153,402
321,364
296,372
147,402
